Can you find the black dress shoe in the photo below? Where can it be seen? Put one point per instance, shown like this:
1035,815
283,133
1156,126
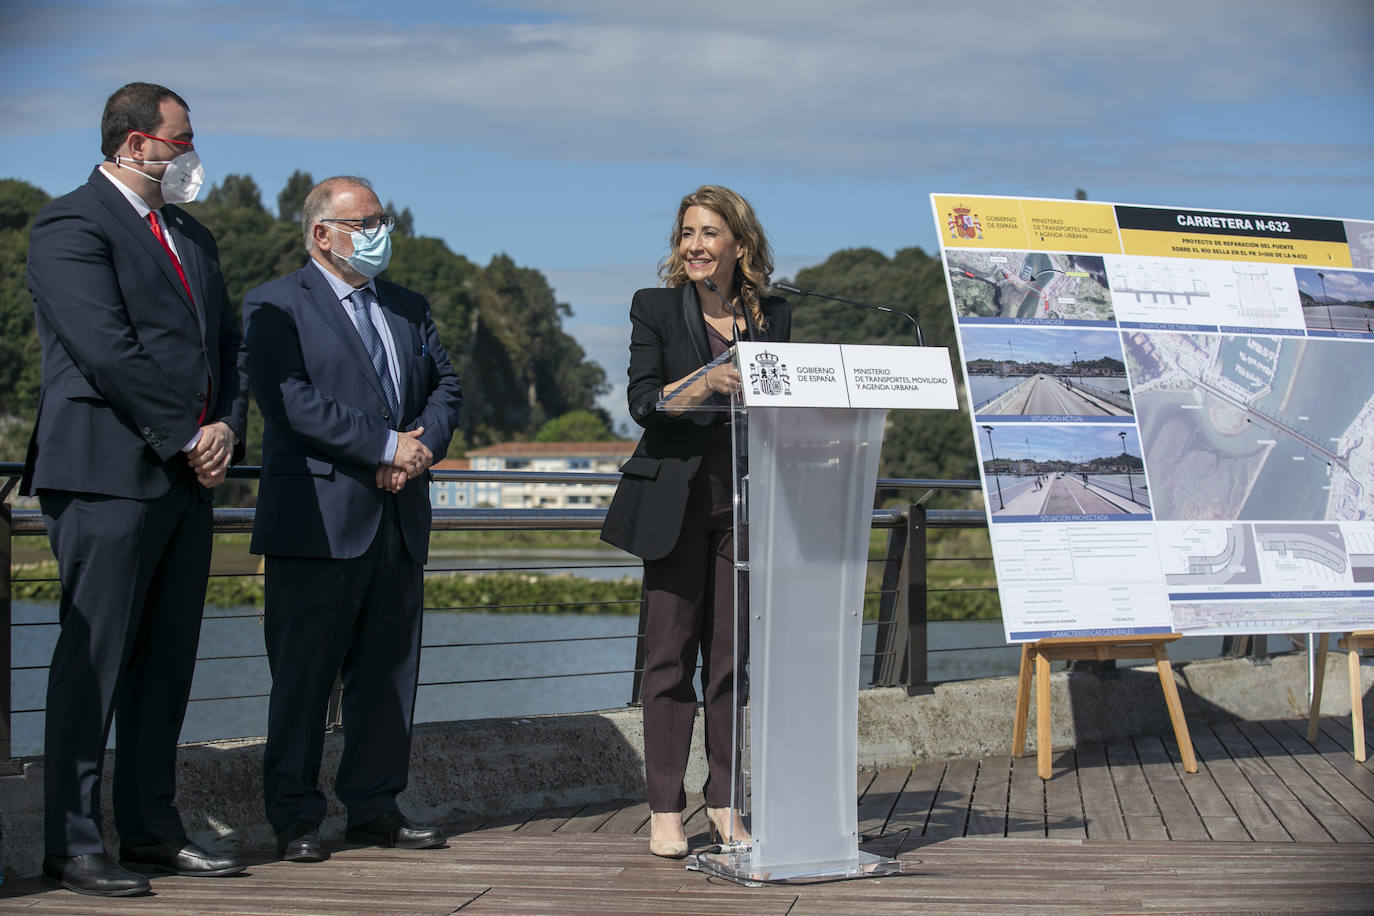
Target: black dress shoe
178,857
394,829
301,843
94,873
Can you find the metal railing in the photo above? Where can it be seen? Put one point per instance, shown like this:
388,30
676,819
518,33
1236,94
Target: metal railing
899,657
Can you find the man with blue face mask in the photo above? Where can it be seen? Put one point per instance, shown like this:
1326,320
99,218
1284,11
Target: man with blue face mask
141,411
358,399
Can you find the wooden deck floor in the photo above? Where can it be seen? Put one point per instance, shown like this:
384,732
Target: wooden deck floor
1269,824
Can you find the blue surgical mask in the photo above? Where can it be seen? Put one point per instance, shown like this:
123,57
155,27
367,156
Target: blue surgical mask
370,255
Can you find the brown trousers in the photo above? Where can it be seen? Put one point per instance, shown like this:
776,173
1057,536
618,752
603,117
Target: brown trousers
689,599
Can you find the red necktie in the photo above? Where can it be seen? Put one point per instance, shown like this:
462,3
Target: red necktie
176,262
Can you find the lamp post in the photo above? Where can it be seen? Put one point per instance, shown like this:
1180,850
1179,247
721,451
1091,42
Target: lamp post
1000,503
1075,369
1124,456
1327,300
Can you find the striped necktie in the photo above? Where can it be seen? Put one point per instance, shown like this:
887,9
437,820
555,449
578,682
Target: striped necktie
361,300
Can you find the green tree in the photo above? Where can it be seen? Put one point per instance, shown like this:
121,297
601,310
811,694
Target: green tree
502,325
548,371
405,220
292,196
236,192
917,443
253,247
20,370
577,426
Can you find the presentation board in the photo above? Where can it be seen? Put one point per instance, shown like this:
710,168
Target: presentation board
1173,410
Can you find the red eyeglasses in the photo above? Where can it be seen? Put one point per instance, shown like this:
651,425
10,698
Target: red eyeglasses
186,143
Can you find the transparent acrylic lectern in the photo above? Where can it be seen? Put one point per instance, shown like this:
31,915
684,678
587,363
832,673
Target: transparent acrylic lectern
804,486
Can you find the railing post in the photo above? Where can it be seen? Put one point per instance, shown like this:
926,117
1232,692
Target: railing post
636,689
889,646
6,619
914,576
1254,646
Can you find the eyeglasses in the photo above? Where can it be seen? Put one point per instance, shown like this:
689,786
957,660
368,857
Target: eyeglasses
368,225
186,143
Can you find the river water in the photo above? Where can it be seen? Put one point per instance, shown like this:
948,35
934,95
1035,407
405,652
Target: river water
528,664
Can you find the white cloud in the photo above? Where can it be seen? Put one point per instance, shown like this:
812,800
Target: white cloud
1351,286
884,86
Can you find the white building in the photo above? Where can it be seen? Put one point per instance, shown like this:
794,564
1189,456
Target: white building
562,457
452,493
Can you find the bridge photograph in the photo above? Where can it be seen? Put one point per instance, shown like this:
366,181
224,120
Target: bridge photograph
1037,471
1033,372
1336,300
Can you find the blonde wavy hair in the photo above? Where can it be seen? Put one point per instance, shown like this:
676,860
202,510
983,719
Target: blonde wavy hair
753,271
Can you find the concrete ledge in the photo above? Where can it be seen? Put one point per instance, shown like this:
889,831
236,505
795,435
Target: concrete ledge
461,771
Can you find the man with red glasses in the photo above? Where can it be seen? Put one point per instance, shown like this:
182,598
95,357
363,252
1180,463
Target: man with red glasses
141,412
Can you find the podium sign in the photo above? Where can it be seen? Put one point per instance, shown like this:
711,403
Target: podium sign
846,375
899,378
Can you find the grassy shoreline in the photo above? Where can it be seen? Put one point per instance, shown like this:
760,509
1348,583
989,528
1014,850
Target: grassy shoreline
516,593
960,582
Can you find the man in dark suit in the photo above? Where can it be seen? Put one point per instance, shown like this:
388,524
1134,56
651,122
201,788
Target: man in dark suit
359,399
140,414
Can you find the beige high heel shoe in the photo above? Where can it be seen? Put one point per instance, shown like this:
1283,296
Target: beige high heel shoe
727,827
666,836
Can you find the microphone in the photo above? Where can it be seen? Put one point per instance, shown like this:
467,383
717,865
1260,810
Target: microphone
798,291
748,315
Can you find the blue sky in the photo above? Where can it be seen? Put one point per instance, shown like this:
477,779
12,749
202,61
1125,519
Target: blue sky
1336,285
1039,345
565,133
1047,442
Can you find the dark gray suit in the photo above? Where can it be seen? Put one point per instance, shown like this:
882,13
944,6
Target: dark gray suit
127,357
344,558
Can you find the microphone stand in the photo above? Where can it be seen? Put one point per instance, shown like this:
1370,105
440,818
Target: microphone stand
748,315
798,291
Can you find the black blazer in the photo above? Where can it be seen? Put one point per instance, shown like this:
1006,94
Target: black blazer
326,420
667,341
126,355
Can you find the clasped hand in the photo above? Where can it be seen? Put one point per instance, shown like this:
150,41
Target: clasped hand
412,459
211,454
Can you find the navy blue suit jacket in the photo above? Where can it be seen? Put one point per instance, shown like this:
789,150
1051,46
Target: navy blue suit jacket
325,416
126,355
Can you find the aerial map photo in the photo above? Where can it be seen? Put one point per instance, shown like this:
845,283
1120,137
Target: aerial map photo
1029,285
1254,428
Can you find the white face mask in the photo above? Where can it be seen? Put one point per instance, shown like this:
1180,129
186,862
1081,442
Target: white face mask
180,182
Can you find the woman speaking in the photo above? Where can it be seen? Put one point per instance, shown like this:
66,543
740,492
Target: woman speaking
673,504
